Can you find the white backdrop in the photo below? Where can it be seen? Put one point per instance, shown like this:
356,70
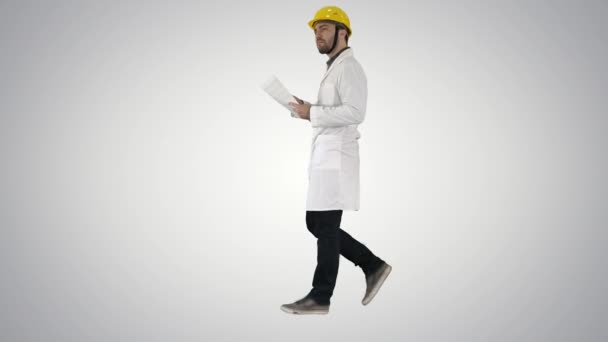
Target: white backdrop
151,191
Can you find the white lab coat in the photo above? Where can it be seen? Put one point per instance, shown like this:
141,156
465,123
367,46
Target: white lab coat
333,171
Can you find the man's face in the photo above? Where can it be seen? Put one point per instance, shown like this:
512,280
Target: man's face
324,35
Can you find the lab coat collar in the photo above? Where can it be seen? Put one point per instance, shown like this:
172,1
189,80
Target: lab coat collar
345,54
333,59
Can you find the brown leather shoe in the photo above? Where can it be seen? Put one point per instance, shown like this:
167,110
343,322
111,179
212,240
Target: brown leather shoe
375,281
305,306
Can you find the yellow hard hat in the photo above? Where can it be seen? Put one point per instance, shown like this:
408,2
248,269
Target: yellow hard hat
332,13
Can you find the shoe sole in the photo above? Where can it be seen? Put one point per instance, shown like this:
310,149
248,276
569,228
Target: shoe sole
307,312
375,290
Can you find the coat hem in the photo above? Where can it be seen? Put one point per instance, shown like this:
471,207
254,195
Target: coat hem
327,209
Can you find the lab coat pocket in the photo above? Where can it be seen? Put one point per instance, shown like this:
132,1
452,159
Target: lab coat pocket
327,152
328,94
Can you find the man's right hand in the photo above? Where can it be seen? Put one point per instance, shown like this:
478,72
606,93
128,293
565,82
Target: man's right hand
300,101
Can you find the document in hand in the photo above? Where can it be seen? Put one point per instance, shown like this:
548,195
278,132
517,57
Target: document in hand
277,91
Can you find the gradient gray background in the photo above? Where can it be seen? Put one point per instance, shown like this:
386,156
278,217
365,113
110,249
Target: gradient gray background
151,191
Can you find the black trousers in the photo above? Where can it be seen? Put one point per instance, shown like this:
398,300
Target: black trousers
332,242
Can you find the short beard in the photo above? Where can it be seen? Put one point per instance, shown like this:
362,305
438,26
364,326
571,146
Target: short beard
324,50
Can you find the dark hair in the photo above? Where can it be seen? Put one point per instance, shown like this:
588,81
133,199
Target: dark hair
340,26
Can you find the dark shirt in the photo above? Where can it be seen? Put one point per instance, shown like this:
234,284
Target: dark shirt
331,60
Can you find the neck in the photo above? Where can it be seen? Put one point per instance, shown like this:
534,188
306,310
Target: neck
340,46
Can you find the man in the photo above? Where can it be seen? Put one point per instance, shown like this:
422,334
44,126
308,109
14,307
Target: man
334,165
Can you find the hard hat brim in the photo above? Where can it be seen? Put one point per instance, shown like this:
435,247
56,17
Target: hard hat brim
314,21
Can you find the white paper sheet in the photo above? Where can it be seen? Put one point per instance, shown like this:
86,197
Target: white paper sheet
277,91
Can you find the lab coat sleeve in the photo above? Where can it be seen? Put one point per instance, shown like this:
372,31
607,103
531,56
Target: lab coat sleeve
352,89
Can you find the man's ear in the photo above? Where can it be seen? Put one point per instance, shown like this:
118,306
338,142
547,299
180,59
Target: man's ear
343,33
